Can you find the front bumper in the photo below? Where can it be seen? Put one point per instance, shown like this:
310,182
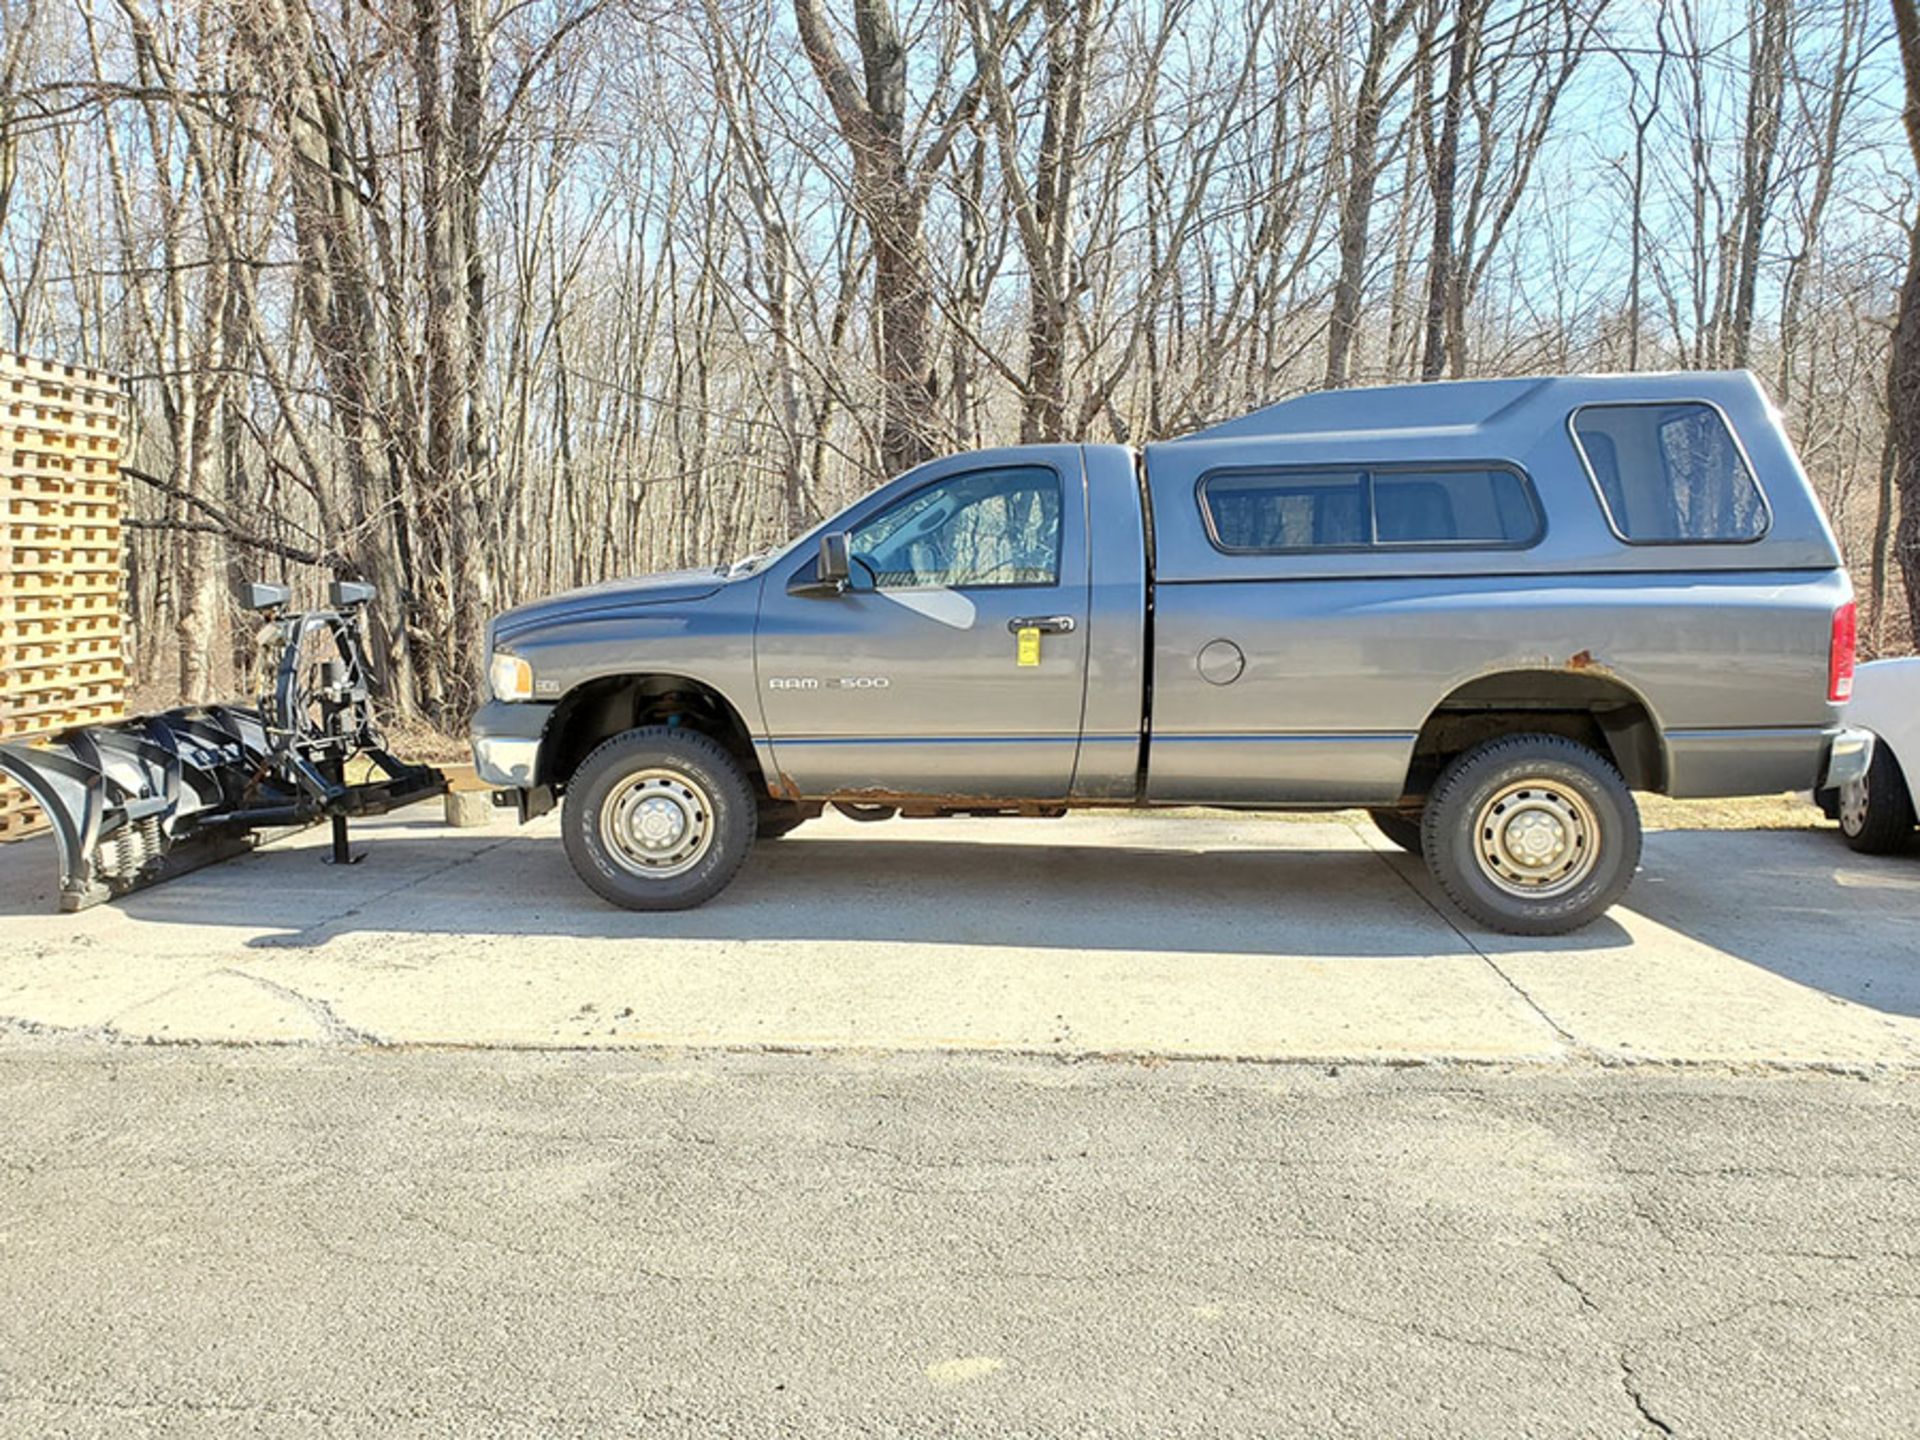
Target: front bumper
506,740
1849,756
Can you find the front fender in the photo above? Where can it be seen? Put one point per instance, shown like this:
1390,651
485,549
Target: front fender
707,641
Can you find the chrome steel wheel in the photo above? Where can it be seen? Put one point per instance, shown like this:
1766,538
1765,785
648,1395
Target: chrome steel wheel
1536,839
1854,799
656,823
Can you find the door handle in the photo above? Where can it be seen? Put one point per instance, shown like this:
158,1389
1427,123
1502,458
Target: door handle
1046,624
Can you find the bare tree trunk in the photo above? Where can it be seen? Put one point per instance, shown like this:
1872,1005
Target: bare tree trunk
457,585
13,59
1766,78
892,201
478,489
335,296
1838,94
1882,535
1042,209
1642,121
1903,364
1384,29
1443,174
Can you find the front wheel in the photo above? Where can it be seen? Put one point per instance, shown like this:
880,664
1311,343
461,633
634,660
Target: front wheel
659,818
1532,834
1876,811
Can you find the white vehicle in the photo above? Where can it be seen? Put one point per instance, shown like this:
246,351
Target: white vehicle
1876,814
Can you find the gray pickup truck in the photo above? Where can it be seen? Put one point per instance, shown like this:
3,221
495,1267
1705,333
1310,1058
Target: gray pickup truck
1485,611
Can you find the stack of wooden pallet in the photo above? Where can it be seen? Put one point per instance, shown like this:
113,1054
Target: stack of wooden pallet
61,568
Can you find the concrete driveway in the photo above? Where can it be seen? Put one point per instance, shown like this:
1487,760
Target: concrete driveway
1131,934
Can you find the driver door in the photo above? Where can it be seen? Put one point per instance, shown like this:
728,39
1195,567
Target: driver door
913,681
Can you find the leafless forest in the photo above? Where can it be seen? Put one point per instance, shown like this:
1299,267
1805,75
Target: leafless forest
482,298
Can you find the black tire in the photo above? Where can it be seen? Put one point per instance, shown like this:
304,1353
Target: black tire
1399,827
1576,792
715,799
1884,825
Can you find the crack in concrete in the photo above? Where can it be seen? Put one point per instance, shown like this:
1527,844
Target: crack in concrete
1560,1272
1560,1061
1630,1383
1415,1327
336,1030
1465,939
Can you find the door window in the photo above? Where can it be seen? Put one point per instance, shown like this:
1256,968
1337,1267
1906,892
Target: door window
983,528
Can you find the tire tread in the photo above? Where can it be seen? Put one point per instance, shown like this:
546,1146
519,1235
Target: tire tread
741,812
1465,770
1890,818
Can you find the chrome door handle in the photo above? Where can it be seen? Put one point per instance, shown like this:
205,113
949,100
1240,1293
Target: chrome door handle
1046,624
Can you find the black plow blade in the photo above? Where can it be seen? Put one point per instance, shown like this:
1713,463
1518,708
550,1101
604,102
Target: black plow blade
144,800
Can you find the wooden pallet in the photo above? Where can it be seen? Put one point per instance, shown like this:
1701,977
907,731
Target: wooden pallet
62,568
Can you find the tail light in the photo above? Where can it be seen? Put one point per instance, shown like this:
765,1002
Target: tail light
1840,654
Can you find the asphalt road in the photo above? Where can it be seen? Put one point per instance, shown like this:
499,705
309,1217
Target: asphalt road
328,1242
1121,934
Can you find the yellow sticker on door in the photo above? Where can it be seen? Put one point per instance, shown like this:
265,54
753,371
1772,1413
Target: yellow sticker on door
1029,645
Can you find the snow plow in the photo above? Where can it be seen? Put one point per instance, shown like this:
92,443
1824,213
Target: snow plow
138,801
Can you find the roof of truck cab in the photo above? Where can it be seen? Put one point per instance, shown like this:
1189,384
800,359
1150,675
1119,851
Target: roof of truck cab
1453,408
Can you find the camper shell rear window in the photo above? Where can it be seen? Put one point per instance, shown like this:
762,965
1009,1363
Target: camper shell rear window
1670,474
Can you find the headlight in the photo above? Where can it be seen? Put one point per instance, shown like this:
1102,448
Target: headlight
510,678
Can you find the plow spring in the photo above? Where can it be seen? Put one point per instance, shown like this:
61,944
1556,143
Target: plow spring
142,800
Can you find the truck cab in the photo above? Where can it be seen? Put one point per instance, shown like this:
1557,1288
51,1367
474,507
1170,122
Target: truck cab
1485,611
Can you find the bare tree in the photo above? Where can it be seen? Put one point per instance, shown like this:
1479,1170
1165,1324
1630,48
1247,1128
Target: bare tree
481,301
1903,364
1386,23
890,192
1043,203
1770,38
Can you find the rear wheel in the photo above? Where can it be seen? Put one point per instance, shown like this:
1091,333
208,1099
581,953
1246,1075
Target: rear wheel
659,818
1399,827
1876,812
1532,834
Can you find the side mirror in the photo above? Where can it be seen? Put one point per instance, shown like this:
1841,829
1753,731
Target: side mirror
833,571
836,564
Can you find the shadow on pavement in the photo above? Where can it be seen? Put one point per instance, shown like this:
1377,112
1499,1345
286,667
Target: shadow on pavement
1795,903
1287,899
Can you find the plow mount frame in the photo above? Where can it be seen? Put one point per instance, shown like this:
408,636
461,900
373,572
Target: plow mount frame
142,800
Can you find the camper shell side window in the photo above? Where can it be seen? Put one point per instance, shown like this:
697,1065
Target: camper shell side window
1484,505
